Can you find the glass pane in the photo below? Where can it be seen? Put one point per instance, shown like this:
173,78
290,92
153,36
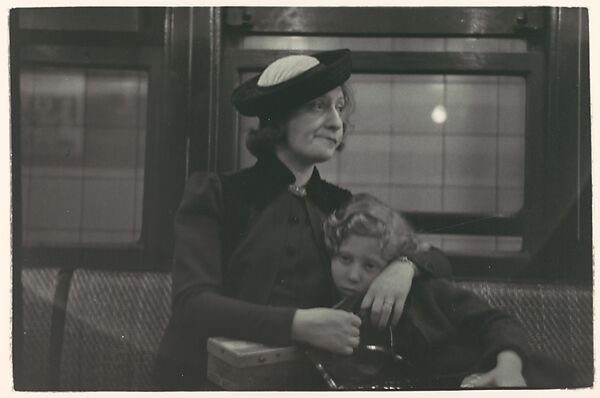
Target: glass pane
418,44
83,144
441,143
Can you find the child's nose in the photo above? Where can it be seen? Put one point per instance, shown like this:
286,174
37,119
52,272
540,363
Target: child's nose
354,273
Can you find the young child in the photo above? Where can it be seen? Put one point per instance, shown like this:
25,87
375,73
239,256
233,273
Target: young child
447,336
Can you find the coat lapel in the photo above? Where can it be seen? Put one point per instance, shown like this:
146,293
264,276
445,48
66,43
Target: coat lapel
269,176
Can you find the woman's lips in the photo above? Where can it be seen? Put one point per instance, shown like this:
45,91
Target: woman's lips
329,139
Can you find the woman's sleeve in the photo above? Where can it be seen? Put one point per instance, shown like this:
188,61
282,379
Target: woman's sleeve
433,262
477,322
198,288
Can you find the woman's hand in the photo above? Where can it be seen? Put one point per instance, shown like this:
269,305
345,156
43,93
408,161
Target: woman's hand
387,294
507,373
333,330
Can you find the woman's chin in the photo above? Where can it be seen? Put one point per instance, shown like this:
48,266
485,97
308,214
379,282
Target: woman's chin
323,155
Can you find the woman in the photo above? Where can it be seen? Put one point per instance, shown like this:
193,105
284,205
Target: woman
249,256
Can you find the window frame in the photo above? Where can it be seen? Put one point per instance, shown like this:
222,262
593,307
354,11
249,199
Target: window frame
136,255
149,30
525,223
163,46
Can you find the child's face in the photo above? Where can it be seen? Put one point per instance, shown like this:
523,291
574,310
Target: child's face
356,264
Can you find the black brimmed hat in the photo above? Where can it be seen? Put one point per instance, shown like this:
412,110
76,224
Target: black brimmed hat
292,81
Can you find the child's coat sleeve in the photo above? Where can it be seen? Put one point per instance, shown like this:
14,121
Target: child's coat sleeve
445,312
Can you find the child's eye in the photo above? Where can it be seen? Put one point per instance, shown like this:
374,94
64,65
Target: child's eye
344,259
370,266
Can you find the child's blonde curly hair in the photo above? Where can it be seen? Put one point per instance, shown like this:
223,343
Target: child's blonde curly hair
365,215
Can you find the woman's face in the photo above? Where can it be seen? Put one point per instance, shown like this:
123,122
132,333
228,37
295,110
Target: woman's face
315,129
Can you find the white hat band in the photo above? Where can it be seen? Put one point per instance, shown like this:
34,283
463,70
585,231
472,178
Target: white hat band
286,68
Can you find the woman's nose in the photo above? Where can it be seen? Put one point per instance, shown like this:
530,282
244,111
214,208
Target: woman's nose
334,119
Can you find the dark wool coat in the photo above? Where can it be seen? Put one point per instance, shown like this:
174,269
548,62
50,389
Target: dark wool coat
448,332
462,334
445,334
230,243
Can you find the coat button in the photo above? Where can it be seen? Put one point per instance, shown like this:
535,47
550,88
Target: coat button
294,220
290,251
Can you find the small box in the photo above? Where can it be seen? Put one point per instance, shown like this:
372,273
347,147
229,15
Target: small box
243,365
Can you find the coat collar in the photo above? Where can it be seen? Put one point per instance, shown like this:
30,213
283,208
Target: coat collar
269,176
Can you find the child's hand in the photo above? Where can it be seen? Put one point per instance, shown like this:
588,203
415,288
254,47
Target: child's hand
387,294
336,331
494,378
507,373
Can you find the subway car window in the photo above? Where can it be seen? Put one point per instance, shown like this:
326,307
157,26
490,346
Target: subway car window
434,143
95,163
83,146
465,106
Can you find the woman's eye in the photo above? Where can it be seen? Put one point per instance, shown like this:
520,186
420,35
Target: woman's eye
340,108
317,105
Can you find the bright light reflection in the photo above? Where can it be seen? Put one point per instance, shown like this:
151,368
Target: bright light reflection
438,114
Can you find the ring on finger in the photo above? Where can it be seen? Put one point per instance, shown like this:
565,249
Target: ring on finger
388,303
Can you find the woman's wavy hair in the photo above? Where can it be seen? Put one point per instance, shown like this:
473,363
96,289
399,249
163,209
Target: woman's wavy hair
272,129
365,215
